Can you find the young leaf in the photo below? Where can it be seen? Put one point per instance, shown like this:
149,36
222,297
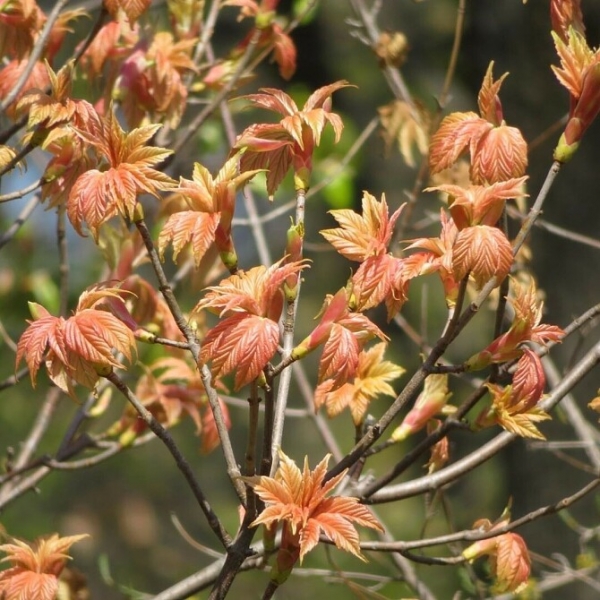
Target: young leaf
35,568
299,500
98,195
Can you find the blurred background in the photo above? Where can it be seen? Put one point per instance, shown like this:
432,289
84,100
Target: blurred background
128,504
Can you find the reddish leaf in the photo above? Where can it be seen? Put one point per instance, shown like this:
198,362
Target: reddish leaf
195,228
293,139
361,236
99,195
339,360
244,343
482,251
457,133
566,14
499,155
132,8
489,102
298,499
35,568
377,279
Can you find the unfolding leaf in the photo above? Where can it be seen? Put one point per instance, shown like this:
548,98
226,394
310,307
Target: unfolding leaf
291,142
457,133
35,568
195,228
499,155
339,360
132,8
244,343
99,195
526,327
566,14
299,500
378,279
361,236
77,348
482,251
509,559
373,375
429,403
498,152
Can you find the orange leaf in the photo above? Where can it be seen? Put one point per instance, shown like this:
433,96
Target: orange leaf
499,155
457,132
565,14
298,499
339,360
132,8
482,251
35,568
77,347
489,103
377,279
189,227
244,343
99,195
361,236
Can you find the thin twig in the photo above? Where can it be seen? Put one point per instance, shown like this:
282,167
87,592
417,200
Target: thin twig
474,535
10,233
448,474
180,461
194,347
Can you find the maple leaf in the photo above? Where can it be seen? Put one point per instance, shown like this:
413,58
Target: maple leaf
342,334
20,24
498,152
47,111
35,568
78,348
378,279
114,41
435,257
339,360
514,407
407,126
242,342
212,201
133,9
566,14
10,74
246,339
580,75
169,388
361,236
508,557
365,238
128,171
429,403
299,500
480,204
482,251
150,82
271,33
291,142
372,378
525,327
